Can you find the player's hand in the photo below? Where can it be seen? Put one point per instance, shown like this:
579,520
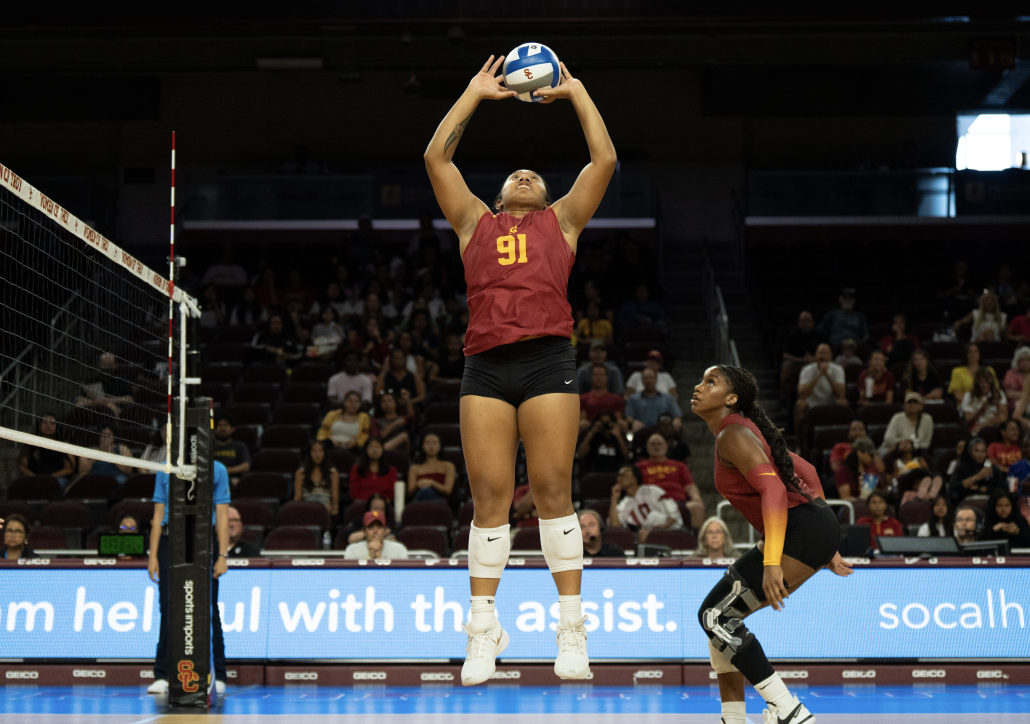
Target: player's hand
221,567
774,588
488,86
567,85
839,566
154,570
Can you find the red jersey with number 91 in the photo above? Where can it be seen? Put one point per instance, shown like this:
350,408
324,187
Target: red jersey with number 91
517,273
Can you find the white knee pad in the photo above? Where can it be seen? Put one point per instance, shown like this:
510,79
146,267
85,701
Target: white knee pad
720,662
488,551
562,543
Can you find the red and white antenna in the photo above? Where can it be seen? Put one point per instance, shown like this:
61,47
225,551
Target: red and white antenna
171,317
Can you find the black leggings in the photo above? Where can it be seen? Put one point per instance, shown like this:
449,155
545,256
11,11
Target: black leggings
812,537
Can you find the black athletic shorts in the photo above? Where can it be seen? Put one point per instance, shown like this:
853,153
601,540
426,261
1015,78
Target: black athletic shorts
813,537
518,371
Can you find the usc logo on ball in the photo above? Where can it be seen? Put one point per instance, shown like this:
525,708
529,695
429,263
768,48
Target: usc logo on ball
529,73
188,676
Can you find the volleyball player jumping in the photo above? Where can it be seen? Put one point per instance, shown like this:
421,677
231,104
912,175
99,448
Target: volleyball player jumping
781,496
520,368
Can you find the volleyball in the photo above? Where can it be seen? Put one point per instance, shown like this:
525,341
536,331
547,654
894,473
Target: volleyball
528,67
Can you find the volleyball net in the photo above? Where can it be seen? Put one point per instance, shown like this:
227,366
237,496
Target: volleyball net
92,342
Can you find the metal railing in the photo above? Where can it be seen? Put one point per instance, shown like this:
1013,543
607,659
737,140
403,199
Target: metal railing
715,308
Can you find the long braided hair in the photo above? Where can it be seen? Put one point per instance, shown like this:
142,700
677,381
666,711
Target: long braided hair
744,384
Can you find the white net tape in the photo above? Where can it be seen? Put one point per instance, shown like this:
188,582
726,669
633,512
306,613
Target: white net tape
84,344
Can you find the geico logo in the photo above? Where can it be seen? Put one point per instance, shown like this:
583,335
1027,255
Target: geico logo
991,674
22,674
928,673
795,674
33,561
301,676
516,561
232,673
859,674
309,561
436,676
238,562
506,675
99,561
89,673
641,561
369,676
648,674
712,675
146,674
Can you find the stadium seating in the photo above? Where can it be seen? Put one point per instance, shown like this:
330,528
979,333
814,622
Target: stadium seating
597,485
677,539
49,537
424,537
261,485
292,538
36,487
304,513
17,507
254,512
275,461
624,538
312,373
526,539
421,513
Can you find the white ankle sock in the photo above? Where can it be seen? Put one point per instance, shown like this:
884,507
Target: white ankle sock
774,691
571,609
483,618
733,712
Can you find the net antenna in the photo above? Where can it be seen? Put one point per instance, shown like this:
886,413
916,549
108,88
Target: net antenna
83,327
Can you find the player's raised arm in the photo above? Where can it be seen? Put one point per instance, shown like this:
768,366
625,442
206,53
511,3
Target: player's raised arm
575,209
461,208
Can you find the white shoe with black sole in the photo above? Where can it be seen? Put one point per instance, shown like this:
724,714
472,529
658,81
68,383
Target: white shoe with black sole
483,648
797,713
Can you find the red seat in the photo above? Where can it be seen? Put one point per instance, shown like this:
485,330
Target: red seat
17,507
253,512
275,461
249,414
424,538
461,539
312,373
601,506
143,512
398,460
249,435
273,374
304,512
228,352
596,485
65,514
624,538
996,350
239,333
49,537
878,414
916,512
422,513
678,540
526,539
139,486
286,436
228,373
444,412
456,457
639,444
449,434
34,487
261,485
829,415
876,433
989,434
297,413
942,413
219,392
946,350
466,513
98,487
341,458
309,392
291,538
250,392
949,435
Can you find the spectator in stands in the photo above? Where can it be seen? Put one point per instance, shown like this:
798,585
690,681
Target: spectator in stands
398,380
393,427
350,380
523,508
377,503
921,376
594,545
317,480
430,300
213,313
799,347
593,326
599,356
35,460
861,472
155,453
988,321
276,345
348,427
645,407
127,525
268,292
920,484
913,424
375,545
840,451
1019,329
599,399
249,310
714,541
880,524
642,311
847,356
899,344
238,546
424,342
1007,451
374,346
985,404
903,459
373,310
327,335
820,383
678,447
664,384
233,454
962,376
876,383
975,474
107,386
227,273
1003,521
332,298
966,520
371,474
450,366
413,362
298,290
642,506
433,478
673,477
105,444
603,449
1015,378
942,520
844,323
16,539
